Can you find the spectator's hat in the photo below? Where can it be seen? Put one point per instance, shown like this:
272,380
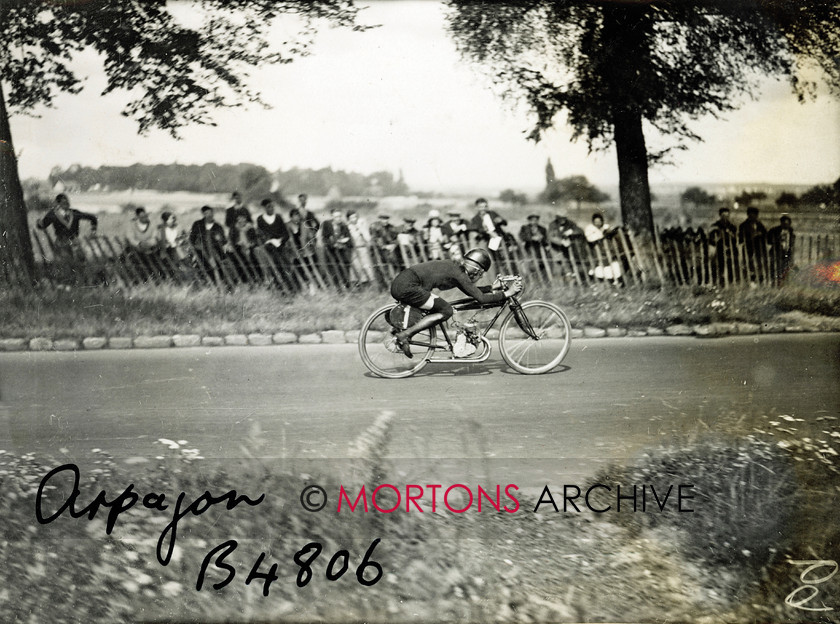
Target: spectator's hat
533,217
453,213
409,219
384,217
434,213
723,209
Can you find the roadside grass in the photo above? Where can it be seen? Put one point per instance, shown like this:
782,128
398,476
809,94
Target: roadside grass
435,567
154,310
764,497
169,309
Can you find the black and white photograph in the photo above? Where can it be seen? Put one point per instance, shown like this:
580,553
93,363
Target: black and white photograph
419,311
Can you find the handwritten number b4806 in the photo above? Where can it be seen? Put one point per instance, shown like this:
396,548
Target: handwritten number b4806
305,558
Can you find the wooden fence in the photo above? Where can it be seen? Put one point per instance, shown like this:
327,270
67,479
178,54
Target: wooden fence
673,258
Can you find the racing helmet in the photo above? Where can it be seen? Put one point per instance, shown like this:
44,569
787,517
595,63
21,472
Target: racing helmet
480,257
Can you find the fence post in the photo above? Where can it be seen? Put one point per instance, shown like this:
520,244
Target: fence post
632,258
576,263
653,248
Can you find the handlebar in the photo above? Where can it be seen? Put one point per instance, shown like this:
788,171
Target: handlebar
471,304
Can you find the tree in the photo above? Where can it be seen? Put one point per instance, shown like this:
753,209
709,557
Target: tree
619,69
787,200
550,176
255,183
178,73
746,198
822,194
574,188
697,196
509,196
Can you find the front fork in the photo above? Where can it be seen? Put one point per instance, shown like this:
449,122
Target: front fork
521,319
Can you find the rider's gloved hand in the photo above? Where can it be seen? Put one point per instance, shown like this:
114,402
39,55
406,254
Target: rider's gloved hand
513,288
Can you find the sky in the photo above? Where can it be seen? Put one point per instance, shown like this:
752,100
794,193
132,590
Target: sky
399,98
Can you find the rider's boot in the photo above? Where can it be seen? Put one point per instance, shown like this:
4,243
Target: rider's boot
402,338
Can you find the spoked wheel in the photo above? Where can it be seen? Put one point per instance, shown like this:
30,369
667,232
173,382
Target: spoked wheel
537,340
380,355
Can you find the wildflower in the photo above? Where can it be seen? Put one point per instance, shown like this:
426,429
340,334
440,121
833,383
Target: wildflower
131,586
143,578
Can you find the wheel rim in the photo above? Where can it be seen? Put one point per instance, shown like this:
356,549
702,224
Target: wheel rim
529,356
379,359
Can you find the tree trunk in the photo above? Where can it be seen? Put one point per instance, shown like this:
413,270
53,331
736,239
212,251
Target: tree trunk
627,33
633,184
15,244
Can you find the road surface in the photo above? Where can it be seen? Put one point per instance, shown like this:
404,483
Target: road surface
305,405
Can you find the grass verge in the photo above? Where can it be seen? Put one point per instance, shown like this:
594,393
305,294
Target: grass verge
180,310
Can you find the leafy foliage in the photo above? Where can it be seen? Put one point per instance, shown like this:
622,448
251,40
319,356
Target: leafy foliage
689,60
179,73
697,196
829,195
786,199
747,197
574,188
509,196
252,180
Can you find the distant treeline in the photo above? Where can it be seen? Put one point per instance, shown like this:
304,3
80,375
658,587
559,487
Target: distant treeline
251,180
821,195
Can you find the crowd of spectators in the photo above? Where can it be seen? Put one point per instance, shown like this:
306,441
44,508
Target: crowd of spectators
348,251
728,253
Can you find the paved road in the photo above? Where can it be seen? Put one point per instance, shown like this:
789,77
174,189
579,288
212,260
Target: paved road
611,398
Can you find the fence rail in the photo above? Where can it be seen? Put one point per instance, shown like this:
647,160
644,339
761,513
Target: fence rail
675,257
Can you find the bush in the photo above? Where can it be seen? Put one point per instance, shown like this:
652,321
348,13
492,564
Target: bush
745,495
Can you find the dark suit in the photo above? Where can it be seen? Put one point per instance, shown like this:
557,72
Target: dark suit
534,237
208,245
478,225
339,251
